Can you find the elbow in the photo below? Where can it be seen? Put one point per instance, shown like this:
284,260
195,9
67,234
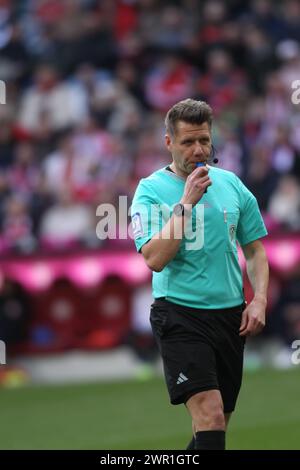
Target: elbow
154,263
158,269
154,266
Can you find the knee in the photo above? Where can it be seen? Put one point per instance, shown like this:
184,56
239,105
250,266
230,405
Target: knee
209,416
210,420
217,420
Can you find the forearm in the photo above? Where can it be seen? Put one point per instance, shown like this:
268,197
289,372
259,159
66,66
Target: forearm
254,315
258,273
162,248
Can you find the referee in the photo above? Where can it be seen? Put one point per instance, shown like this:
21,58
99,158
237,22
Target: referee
199,316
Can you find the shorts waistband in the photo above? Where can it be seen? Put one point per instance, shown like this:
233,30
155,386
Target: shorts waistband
162,301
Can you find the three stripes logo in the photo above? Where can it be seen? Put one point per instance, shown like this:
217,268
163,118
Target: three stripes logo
181,378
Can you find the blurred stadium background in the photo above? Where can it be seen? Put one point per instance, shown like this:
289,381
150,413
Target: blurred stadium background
87,85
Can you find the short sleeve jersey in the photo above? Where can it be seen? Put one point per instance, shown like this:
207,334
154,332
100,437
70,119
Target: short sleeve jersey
205,273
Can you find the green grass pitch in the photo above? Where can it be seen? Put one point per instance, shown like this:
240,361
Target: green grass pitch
137,415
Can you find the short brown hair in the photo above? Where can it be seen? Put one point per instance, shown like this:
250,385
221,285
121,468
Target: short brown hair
189,110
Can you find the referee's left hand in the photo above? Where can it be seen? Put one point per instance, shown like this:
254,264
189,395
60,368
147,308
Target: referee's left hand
253,318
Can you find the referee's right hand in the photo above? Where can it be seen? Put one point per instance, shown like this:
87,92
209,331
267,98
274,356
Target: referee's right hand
195,186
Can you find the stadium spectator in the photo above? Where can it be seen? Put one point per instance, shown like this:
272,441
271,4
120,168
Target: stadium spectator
284,205
51,102
17,227
66,223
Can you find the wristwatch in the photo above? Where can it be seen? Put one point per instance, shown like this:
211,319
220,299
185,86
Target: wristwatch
179,210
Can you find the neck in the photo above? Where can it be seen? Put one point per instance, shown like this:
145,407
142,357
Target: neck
178,172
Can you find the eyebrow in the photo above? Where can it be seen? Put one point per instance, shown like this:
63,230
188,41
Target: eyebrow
192,139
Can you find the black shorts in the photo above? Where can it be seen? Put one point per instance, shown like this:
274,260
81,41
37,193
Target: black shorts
201,350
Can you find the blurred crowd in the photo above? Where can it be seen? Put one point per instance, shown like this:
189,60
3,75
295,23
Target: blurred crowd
88,83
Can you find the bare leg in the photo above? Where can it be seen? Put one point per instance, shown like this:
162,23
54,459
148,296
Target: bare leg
206,410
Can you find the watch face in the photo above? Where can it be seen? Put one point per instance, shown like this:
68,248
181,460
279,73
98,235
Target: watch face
178,209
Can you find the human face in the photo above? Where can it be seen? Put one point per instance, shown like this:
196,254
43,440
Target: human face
190,145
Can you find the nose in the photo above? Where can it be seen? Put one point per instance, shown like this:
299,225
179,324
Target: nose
198,151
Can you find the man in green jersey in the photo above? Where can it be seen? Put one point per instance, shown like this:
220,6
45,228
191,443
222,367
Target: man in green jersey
187,220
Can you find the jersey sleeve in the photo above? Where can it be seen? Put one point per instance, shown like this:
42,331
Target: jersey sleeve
251,226
145,214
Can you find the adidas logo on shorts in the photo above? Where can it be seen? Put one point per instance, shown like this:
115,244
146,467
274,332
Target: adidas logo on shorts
181,378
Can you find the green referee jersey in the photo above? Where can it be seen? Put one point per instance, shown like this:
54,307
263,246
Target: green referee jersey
205,272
